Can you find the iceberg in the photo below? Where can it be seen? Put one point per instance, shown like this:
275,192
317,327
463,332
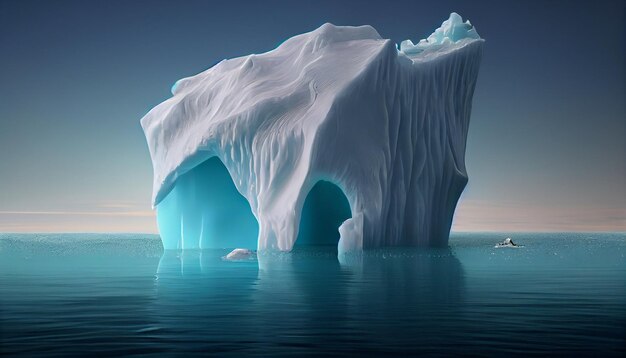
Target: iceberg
339,114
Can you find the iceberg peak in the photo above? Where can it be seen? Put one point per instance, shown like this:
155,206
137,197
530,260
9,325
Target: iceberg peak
451,31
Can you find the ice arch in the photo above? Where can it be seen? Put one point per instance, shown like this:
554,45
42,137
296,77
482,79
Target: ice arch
325,208
205,210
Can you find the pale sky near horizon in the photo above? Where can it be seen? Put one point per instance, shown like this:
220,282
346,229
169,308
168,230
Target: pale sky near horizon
547,143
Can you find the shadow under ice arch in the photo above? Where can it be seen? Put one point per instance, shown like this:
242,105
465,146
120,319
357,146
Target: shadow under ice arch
325,208
205,210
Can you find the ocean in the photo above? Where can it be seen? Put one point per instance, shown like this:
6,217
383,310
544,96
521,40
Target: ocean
561,294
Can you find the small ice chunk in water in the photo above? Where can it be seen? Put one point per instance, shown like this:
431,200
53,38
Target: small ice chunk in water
507,243
239,254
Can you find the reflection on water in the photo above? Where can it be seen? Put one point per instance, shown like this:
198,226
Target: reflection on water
392,297
118,295
384,300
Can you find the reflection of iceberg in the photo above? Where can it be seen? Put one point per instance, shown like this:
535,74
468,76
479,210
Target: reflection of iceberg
239,147
396,297
375,295
194,290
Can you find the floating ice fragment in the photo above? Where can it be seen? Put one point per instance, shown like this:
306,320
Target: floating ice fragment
239,254
507,243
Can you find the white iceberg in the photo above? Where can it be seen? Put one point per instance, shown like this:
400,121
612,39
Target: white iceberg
339,104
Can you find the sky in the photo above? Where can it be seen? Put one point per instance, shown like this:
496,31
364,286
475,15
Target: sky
547,141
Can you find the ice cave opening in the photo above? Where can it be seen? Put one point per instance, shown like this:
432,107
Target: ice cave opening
325,208
204,210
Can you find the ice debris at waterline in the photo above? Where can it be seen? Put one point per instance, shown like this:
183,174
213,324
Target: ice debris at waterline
239,254
239,147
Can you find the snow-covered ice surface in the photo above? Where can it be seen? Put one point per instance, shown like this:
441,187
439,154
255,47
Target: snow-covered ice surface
339,104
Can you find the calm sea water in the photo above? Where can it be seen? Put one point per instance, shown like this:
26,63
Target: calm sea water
561,294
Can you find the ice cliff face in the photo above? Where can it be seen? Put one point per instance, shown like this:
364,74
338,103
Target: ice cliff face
338,104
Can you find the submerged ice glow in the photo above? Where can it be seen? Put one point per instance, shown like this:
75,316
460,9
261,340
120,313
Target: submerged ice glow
338,105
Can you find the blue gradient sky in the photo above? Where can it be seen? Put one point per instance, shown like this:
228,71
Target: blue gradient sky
547,143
